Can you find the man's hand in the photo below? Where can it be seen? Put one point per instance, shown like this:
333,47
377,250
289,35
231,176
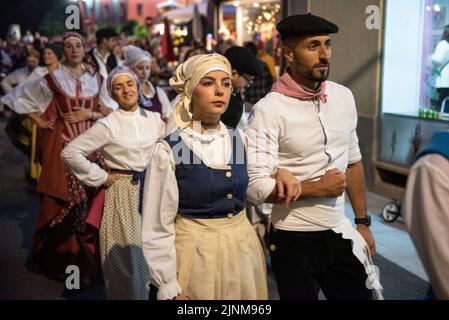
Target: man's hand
288,187
332,184
111,179
367,235
78,115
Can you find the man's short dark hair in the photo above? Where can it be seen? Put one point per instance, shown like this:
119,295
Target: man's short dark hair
105,33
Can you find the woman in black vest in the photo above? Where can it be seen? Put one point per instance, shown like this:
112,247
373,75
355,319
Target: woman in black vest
197,240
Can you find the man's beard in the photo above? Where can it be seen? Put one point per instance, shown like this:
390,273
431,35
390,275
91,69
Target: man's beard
320,76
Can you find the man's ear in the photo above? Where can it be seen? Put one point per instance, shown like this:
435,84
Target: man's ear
287,52
234,75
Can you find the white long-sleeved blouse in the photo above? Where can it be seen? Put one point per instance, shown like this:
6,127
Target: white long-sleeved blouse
125,139
36,95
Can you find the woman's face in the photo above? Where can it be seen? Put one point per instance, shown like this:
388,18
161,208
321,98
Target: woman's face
124,91
74,50
143,70
50,57
211,96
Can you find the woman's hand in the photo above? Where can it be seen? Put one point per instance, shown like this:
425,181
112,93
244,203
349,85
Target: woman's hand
288,187
111,179
78,115
181,296
46,124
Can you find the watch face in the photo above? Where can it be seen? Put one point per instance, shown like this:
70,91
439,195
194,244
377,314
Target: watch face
365,221
368,220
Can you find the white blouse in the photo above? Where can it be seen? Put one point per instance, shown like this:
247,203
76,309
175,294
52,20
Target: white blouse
36,95
160,203
125,138
440,58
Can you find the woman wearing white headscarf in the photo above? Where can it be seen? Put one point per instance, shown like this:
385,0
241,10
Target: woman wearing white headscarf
152,98
125,138
197,240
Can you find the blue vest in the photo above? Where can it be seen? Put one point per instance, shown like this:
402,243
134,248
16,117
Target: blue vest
439,143
205,192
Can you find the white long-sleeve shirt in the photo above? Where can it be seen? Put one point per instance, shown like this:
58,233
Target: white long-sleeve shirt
35,95
125,138
308,141
426,214
440,58
160,203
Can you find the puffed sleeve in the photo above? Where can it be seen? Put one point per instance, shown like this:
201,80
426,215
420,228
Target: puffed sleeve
160,207
32,96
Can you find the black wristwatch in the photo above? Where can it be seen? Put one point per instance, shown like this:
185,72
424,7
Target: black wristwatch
366,221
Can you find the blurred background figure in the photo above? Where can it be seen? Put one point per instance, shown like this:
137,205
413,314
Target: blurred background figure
244,69
426,211
103,54
440,62
262,83
152,98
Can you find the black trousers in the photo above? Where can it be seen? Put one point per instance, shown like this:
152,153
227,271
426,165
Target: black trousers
305,262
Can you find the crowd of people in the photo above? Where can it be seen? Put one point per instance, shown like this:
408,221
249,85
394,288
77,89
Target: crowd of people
173,192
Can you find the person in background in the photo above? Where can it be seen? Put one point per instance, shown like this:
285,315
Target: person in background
125,138
426,210
263,55
244,69
152,98
69,99
261,84
440,61
30,122
103,54
21,75
19,128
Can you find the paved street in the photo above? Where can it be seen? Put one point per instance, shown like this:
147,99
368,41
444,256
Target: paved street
401,272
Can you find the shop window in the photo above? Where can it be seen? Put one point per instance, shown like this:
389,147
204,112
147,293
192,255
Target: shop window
416,58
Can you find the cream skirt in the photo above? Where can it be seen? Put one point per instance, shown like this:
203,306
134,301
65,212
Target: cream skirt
220,259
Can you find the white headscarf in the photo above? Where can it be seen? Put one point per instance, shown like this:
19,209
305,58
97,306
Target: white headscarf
187,76
134,55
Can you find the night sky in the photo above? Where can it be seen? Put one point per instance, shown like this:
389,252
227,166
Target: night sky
27,13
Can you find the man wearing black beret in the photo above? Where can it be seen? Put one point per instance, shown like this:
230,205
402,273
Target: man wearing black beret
303,154
244,68
103,55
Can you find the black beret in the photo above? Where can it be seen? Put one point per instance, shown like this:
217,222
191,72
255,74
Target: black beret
305,24
107,32
243,60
